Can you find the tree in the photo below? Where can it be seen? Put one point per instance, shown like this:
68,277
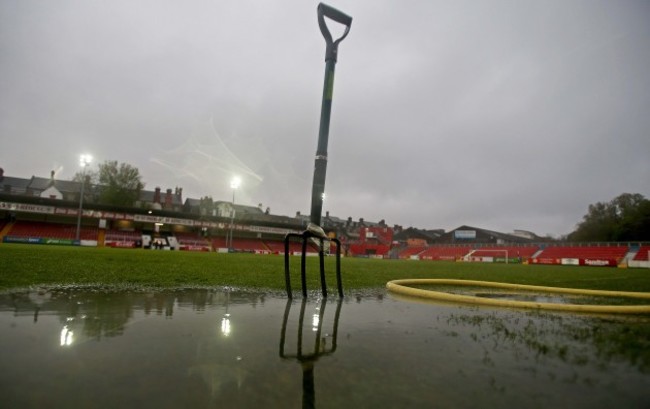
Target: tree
90,178
624,218
635,222
120,183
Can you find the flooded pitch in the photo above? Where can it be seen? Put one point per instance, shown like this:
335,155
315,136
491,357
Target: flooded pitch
218,348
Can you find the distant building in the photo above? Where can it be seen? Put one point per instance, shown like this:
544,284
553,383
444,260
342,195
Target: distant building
40,187
360,237
156,200
416,237
474,235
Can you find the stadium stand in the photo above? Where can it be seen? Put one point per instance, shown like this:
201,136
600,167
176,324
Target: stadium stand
241,244
249,245
445,252
122,238
604,252
190,241
277,246
27,217
51,231
642,254
219,243
369,249
407,252
121,235
513,252
598,256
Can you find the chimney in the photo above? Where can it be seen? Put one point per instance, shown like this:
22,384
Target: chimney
168,199
156,195
52,175
298,213
327,214
179,194
2,174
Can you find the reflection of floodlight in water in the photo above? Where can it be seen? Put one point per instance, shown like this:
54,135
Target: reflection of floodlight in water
315,320
225,321
66,336
225,325
84,161
235,183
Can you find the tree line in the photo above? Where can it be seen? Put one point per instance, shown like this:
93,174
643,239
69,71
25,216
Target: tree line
624,218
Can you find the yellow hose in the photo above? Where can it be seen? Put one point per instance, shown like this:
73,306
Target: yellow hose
401,287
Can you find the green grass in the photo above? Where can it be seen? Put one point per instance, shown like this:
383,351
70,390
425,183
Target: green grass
35,265
23,266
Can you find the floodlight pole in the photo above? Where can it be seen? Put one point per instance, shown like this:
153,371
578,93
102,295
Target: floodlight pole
320,165
84,162
234,185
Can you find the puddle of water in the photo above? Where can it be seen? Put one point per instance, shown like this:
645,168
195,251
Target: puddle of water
207,348
545,298
533,296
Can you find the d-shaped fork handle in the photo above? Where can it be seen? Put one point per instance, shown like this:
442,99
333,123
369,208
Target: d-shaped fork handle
330,12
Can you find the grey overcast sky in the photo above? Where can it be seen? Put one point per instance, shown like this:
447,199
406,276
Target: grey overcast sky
498,114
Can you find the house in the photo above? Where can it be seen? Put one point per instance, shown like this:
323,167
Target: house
56,189
13,186
156,200
36,186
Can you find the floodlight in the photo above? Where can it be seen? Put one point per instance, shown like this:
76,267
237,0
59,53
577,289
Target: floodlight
235,182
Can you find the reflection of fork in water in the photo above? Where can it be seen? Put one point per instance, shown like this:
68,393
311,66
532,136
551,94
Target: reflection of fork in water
306,357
